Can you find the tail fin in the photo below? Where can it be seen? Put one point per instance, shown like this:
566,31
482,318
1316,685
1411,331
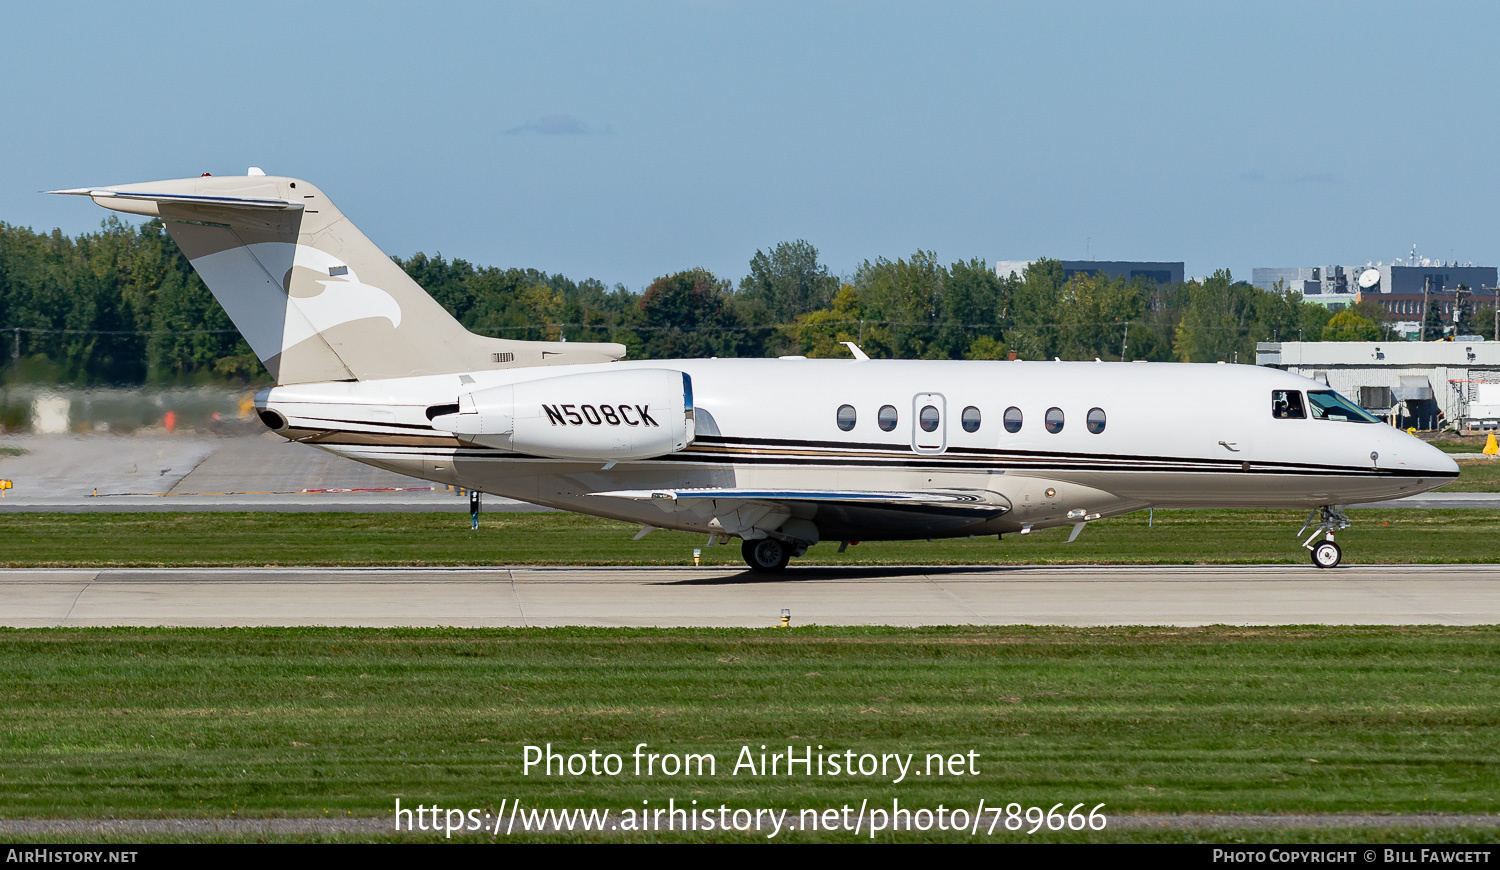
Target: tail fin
316,300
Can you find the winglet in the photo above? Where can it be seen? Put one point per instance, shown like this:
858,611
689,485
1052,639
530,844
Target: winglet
854,349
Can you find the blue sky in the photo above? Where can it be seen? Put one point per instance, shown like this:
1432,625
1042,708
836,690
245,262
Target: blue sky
624,141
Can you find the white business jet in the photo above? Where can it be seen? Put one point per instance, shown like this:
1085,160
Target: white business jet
781,453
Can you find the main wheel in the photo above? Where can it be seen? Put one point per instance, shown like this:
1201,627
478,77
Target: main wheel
1327,555
766,555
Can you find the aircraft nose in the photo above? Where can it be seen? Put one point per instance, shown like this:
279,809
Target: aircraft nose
1440,462
1418,455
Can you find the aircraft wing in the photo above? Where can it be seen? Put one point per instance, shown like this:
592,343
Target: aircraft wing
689,499
831,513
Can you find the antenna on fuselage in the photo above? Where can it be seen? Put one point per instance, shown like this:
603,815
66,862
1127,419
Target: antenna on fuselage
854,349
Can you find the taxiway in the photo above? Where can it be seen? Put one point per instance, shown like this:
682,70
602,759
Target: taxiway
505,596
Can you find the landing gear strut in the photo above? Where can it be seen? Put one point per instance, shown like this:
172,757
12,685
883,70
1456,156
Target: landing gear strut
766,555
1325,521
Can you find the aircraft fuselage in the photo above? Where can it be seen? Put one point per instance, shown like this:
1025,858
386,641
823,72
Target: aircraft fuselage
1127,436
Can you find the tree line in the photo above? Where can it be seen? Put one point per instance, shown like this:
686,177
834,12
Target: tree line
123,306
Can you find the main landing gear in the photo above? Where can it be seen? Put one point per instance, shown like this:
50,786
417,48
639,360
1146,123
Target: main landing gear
1326,520
766,555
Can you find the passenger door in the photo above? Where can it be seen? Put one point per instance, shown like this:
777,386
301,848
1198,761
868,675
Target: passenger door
929,424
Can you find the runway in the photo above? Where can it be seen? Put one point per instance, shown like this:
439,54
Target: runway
670,597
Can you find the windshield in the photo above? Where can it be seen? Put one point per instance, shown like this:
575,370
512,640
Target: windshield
1328,405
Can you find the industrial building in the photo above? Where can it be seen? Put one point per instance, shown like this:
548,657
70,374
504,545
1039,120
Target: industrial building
1307,280
1403,288
1156,272
1426,384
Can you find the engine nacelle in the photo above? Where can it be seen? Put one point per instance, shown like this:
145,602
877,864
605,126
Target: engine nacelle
604,416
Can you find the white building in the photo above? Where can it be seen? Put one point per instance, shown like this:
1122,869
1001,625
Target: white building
1157,272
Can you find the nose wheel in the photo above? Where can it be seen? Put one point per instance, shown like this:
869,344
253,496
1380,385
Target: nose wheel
1325,521
1327,555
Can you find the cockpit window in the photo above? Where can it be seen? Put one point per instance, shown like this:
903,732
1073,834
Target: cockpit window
1328,405
1287,405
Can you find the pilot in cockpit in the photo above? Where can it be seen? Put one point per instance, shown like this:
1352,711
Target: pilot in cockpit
1286,405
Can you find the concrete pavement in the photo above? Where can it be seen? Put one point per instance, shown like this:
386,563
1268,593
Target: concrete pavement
505,596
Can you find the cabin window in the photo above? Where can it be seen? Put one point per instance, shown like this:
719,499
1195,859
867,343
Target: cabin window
1287,405
846,417
1053,421
927,418
970,419
1328,405
887,418
1094,422
1012,419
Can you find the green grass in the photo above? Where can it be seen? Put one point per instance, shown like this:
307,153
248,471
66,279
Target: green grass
299,722
1459,446
1460,443
1476,474
1414,835
1175,537
8,450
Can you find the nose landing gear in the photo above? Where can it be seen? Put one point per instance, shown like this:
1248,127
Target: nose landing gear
1327,554
1326,520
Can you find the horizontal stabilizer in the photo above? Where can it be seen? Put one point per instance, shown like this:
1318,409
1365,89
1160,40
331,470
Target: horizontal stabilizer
104,193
